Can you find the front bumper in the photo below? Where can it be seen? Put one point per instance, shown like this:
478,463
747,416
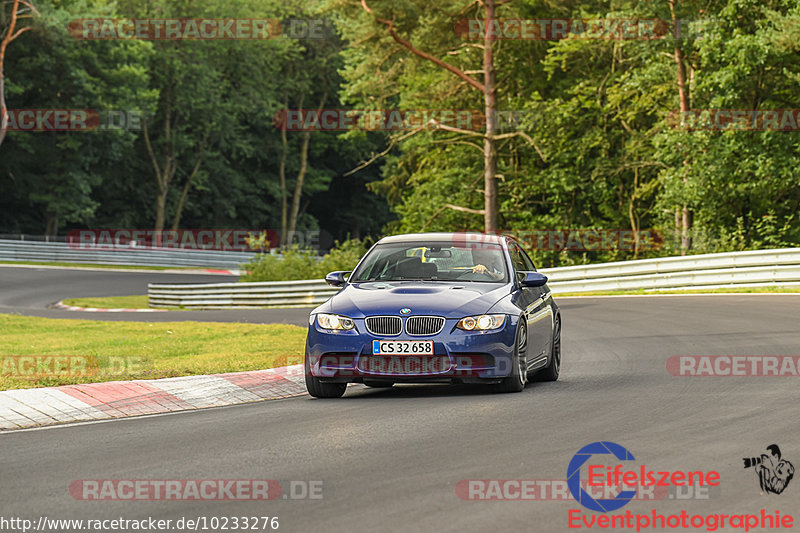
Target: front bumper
459,355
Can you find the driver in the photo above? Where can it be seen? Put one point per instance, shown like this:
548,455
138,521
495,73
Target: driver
488,263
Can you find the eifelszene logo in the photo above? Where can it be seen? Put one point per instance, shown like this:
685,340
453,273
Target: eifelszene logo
600,475
604,465
774,473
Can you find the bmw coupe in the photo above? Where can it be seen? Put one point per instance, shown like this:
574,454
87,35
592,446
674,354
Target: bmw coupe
435,307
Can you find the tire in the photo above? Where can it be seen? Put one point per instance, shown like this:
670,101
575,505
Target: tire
551,371
317,389
378,384
519,376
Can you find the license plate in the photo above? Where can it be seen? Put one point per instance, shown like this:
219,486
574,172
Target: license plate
402,347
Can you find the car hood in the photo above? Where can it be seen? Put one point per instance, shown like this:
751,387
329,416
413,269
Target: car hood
448,299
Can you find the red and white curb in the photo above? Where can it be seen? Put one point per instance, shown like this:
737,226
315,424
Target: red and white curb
26,408
234,272
62,305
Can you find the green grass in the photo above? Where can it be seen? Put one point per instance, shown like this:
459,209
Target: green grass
142,350
136,301
743,290
95,265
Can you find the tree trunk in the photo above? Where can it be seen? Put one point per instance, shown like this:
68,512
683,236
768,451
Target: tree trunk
632,214
51,224
11,34
188,185
282,181
490,211
161,177
176,220
490,215
301,174
683,94
3,111
298,187
163,174
686,225
161,201
284,241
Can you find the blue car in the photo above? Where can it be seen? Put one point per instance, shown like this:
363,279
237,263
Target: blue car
435,307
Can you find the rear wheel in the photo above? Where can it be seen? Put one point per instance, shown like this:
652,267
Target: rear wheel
551,371
317,389
519,363
378,384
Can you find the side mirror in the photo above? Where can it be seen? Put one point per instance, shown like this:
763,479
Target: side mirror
336,279
534,279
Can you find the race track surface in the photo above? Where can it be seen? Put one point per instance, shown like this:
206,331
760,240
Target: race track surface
390,460
29,291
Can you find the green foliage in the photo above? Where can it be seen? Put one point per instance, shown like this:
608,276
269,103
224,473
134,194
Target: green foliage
607,157
218,97
54,173
599,153
297,264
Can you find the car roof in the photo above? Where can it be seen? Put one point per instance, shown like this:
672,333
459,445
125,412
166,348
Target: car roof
458,237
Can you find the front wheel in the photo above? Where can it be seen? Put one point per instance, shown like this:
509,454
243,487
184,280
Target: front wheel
519,362
550,373
317,389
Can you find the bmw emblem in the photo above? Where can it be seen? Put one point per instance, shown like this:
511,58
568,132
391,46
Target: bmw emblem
405,311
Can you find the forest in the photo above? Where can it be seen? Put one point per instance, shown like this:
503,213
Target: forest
362,118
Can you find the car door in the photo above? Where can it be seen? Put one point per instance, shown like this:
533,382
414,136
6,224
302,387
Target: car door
538,313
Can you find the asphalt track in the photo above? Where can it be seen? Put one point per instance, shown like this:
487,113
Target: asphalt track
390,460
30,290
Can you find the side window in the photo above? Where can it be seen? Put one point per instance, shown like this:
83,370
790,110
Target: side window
527,260
516,257
520,259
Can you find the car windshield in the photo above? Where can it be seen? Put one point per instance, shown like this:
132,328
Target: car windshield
433,262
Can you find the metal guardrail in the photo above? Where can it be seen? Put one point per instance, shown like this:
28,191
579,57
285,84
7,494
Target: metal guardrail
752,268
32,237
61,252
304,293
735,269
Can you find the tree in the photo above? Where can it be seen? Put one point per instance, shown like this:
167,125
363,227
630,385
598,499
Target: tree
310,73
683,217
487,88
19,9
51,175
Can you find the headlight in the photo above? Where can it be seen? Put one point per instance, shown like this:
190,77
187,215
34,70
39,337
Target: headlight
334,322
482,322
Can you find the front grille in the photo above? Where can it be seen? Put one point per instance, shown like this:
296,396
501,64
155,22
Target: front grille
384,325
424,325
